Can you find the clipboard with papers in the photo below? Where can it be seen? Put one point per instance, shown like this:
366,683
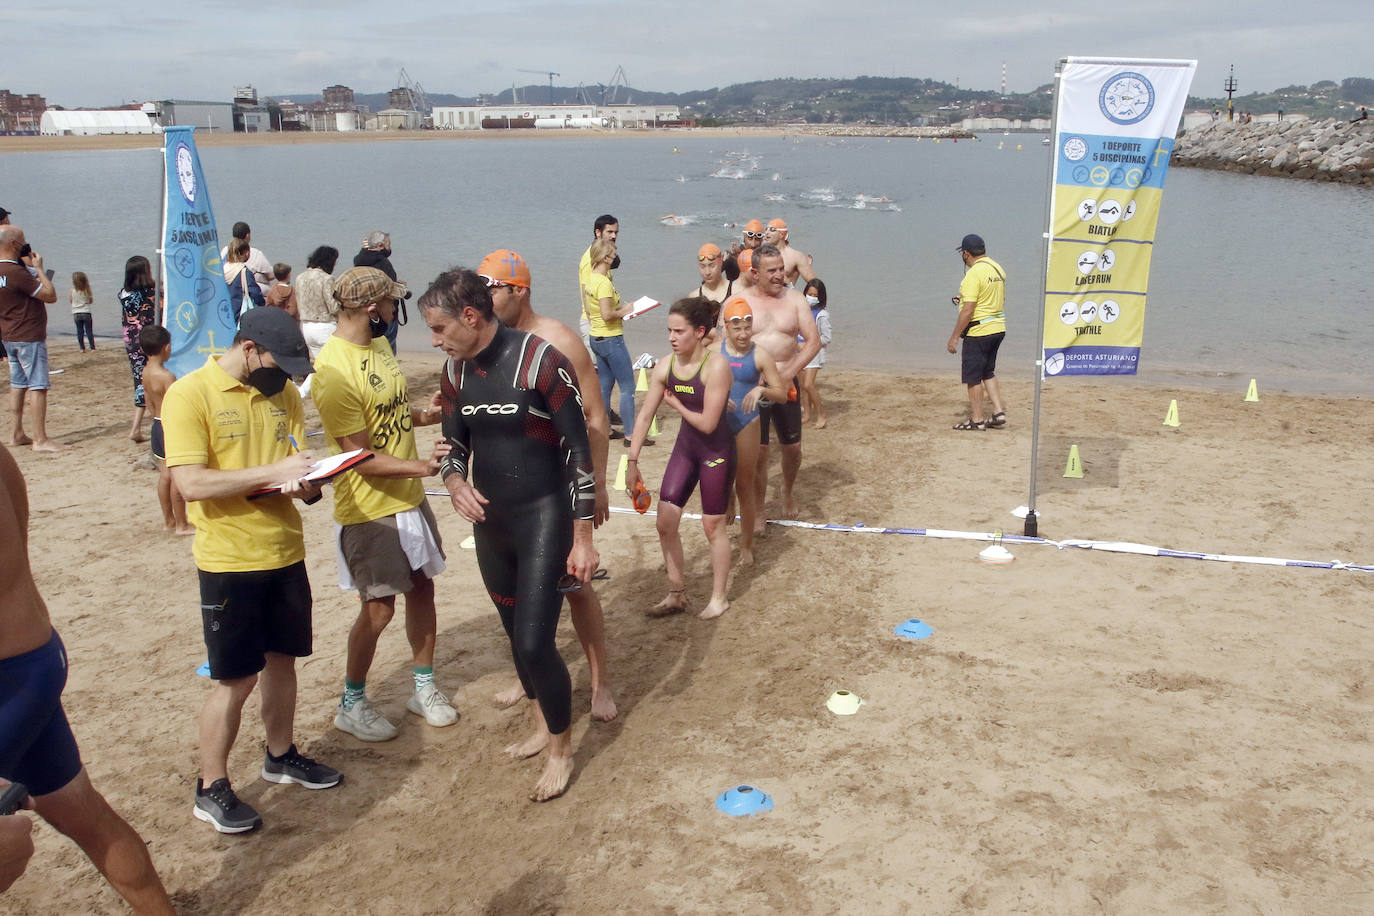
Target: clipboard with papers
324,470
642,305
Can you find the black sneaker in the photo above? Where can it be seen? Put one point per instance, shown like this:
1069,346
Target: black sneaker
293,766
616,434
222,808
646,442
615,418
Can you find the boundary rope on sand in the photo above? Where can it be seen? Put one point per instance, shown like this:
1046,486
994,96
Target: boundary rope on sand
1146,550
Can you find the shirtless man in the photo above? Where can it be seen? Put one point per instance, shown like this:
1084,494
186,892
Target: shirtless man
508,280
781,315
37,747
795,263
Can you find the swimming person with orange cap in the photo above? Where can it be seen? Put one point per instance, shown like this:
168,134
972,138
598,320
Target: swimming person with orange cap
753,235
507,276
755,376
694,381
795,263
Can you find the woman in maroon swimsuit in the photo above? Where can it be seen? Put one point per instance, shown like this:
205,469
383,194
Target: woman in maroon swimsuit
695,381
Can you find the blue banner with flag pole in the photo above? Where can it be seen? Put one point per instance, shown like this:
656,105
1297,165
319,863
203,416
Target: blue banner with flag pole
198,314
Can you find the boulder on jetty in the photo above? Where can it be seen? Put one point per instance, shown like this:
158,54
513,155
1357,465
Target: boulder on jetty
1327,150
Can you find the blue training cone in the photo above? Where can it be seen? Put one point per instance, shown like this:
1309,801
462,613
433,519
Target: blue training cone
743,800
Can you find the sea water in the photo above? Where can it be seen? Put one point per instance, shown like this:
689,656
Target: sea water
1251,277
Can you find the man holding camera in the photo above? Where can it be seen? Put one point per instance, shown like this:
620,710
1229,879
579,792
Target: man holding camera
982,324
25,291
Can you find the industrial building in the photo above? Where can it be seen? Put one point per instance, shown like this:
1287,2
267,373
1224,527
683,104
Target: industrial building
504,117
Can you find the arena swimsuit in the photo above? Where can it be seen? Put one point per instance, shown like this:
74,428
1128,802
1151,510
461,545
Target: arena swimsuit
516,405
745,370
37,747
697,456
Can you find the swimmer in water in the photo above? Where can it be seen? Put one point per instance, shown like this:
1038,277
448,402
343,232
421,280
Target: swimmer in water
695,382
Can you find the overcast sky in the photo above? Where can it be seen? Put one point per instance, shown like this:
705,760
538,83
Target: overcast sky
82,53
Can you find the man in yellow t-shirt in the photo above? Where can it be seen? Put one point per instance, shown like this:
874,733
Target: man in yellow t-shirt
388,541
606,227
231,428
982,323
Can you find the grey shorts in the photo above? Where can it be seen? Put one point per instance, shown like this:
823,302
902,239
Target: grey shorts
376,559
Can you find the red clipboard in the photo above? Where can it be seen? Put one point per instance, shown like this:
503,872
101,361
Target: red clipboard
324,470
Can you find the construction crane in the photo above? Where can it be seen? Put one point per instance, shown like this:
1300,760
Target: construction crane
414,93
618,81
551,74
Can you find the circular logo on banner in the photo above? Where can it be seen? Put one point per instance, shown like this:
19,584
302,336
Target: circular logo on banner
1075,149
186,173
1087,209
184,262
1055,364
1088,311
1126,98
1068,313
1109,211
1087,261
1110,311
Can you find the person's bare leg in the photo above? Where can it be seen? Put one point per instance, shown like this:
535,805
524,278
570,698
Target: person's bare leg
17,437
817,406
164,496
279,702
994,394
219,725
136,427
719,539
39,407
975,402
809,401
179,512
536,742
791,464
558,768
83,814
761,481
669,518
751,520
373,616
422,624
590,624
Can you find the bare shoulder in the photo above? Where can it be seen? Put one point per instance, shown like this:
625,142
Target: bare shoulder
564,338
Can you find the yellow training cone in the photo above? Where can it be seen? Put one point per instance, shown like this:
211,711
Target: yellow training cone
1075,467
653,426
643,383
625,466
1171,418
1252,393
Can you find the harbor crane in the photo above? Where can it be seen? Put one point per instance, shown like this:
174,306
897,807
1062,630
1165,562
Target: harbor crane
551,74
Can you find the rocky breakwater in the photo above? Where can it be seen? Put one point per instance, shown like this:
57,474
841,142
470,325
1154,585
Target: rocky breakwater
1327,150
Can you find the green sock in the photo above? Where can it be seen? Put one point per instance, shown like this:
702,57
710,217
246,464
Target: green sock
352,693
423,677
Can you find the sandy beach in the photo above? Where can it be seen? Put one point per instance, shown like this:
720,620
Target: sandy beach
1083,731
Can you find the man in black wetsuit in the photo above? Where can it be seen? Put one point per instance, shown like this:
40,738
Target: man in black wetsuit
511,397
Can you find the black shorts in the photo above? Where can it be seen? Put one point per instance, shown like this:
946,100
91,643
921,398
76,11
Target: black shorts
248,614
785,416
156,443
979,361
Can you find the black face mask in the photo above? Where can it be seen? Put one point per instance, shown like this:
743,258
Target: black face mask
377,326
269,380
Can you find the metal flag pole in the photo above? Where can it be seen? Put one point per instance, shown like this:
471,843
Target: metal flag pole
1032,523
161,240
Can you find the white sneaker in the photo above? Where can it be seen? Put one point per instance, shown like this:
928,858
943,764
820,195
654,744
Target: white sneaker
429,702
364,722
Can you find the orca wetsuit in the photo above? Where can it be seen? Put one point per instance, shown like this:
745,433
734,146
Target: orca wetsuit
697,456
517,406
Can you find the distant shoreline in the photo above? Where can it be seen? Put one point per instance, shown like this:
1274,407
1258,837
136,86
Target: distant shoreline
301,138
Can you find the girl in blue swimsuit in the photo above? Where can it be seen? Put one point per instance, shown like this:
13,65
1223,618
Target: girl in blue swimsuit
695,381
755,376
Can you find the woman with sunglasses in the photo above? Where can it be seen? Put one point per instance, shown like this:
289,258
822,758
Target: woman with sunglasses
697,386
601,304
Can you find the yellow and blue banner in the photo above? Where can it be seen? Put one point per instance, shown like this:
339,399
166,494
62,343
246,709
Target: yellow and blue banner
1115,126
199,315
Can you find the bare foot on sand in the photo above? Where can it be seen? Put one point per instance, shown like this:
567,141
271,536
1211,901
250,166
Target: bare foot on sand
510,696
603,704
21,439
529,747
789,507
746,556
188,530
48,445
717,607
820,424
674,603
558,769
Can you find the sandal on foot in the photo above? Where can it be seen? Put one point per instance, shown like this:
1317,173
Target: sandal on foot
998,420
979,425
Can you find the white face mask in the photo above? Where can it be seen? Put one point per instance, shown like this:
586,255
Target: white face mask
813,301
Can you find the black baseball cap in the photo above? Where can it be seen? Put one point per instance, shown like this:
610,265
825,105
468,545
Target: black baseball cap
973,244
273,330
4,213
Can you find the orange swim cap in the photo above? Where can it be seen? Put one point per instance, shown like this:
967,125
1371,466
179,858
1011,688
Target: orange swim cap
737,308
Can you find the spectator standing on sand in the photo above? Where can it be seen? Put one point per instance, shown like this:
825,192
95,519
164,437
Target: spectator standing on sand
81,298
138,309
376,252
244,291
256,260
315,303
25,292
